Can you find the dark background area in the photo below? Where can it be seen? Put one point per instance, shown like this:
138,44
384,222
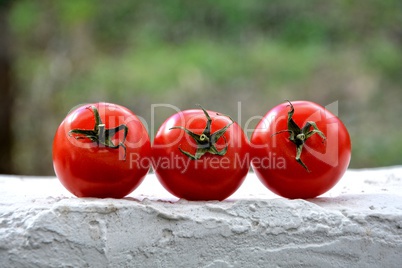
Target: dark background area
222,54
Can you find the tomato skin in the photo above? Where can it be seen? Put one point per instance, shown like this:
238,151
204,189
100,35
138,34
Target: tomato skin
327,160
87,169
212,177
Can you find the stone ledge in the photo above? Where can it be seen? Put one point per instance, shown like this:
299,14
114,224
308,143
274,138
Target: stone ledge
357,223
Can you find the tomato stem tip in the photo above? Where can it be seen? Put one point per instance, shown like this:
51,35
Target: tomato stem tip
299,135
206,141
100,134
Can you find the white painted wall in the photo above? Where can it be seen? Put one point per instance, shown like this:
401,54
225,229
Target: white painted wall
356,224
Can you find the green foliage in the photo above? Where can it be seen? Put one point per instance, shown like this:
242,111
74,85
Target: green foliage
73,12
23,15
385,57
182,52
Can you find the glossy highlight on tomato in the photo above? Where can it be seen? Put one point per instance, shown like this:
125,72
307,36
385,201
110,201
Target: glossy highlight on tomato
300,149
92,149
200,155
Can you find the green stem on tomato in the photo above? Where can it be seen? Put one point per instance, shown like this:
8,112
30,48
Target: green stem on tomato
206,141
299,135
100,134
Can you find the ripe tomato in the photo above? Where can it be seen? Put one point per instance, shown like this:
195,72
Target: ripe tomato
200,155
93,147
300,150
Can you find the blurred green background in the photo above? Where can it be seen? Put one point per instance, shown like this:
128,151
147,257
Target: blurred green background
237,57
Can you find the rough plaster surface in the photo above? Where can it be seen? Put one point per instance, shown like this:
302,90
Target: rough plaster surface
356,224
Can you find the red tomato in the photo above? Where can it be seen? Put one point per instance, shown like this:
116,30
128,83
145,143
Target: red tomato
200,159
300,150
93,148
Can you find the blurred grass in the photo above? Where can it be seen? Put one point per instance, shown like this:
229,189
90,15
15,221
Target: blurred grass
157,69
216,53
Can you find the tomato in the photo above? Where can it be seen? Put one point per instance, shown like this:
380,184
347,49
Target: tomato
93,148
200,155
300,150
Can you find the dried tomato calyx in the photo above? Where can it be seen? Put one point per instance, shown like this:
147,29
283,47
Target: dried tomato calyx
299,135
100,134
206,141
